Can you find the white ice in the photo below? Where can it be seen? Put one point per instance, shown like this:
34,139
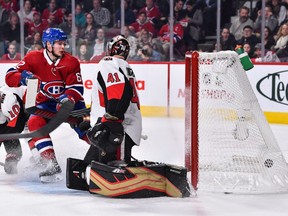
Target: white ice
24,195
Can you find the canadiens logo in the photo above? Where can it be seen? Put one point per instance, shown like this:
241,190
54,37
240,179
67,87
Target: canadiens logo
55,88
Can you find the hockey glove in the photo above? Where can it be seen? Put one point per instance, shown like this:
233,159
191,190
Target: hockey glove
63,98
25,75
107,136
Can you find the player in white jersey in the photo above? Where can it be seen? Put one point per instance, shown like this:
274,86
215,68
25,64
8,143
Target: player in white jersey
120,119
12,120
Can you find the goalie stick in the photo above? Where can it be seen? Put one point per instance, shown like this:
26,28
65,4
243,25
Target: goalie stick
60,117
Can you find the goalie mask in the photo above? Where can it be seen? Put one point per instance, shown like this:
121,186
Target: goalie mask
118,45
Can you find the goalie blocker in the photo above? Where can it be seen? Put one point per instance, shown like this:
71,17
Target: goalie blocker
137,180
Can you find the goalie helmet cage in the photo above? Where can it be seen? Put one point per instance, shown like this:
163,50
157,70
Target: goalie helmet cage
229,146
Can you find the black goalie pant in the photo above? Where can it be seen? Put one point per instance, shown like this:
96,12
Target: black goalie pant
94,154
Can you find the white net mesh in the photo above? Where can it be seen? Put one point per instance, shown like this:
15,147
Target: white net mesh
237,150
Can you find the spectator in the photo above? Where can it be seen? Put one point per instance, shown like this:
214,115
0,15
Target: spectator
12,53
281,42
193,32
227,40
152,12
254,12
270,20
148,54
268,39
83,54
88,33
132,42
249,37
162,43
6,8
52,14
238,24
248,49
27,12
11,30
279,11
99,46
36,26
142,23
36,46
66,26
129,15
281,37
80,18
257,53
73,35
270,56
144,38
101,15
36,39
179,12
214,47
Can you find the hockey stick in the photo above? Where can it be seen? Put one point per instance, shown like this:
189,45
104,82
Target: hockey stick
60,117
75,117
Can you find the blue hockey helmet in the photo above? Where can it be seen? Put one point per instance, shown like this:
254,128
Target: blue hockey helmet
118,45
52,35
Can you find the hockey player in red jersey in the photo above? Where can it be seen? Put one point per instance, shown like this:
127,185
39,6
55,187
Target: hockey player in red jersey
12,120
60,80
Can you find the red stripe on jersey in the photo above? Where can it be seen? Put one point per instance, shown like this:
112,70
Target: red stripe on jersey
101,99
115,91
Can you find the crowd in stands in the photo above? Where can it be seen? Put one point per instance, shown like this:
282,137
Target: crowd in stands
147,27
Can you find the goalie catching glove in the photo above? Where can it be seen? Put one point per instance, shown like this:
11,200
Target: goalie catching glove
107,135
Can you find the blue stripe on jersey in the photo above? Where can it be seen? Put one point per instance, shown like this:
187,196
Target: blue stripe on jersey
46,143
11,70
79,89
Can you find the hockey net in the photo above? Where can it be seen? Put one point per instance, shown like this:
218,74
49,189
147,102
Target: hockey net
229,144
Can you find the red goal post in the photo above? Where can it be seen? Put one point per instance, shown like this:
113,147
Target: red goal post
229,146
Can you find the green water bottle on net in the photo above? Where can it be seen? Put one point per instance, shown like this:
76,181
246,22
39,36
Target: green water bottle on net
244,58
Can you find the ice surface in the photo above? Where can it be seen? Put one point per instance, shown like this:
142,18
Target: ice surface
24,195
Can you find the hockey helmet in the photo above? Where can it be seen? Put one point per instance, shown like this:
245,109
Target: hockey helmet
52,35
118,45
